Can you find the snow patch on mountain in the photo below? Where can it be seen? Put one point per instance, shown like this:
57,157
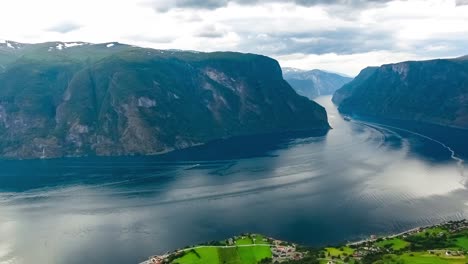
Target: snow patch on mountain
65,45
73,44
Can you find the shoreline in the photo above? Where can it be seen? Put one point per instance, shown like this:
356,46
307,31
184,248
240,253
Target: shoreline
372,238
395,235
408,231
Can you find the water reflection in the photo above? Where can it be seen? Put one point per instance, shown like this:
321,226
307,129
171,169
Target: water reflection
359,178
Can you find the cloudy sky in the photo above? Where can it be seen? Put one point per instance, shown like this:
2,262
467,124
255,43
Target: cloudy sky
336,35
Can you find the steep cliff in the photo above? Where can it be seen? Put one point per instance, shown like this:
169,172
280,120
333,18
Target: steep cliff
434,91
73,99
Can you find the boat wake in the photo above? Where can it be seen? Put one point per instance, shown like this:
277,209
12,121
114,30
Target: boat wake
459,161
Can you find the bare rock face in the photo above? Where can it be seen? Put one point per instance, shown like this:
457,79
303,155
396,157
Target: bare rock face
433,91
92,100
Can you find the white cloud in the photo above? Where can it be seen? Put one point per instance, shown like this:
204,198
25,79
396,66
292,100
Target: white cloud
311,34
350,64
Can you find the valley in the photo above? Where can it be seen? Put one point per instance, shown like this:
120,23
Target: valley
234,132
316,189
314,83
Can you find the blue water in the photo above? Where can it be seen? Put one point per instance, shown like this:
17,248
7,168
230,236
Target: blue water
316,188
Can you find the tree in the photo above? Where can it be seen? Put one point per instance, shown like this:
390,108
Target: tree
266,261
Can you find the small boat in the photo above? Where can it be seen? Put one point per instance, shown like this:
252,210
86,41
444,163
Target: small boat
347,118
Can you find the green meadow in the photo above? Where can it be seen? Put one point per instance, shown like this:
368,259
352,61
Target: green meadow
229,255
244,251
421,258
394,243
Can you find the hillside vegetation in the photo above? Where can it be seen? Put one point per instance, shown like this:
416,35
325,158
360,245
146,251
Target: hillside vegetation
74,99
433,91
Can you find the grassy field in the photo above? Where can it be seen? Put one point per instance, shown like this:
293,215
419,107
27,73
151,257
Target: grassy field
422,258
433,231
335,252
395,243
259,239
244,241
462,242
253,254
232,255
200,256
338,261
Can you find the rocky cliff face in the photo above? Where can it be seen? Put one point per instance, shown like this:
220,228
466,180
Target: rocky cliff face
314,83
433,91
74,99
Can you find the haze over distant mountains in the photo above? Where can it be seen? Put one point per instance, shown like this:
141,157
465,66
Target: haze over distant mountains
314,83
72,99
434,91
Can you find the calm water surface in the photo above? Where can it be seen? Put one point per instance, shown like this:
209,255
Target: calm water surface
358,179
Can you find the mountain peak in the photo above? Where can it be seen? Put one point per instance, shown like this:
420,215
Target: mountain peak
10,44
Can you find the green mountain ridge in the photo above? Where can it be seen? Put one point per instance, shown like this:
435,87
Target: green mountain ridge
74,99
434,91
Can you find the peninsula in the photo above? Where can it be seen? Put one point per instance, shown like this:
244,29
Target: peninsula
445,243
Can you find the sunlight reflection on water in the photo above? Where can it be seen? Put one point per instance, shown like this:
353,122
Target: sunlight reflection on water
356,180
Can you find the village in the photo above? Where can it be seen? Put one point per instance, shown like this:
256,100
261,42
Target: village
277,251
269,250
282,251
399,244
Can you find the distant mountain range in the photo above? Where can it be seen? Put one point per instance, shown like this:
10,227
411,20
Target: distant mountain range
314,83
72,99
434,91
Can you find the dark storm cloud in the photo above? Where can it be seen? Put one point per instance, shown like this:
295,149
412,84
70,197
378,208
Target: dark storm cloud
64,27
165,5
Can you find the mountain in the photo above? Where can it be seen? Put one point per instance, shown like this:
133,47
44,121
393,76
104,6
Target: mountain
315,82
73,99
434,91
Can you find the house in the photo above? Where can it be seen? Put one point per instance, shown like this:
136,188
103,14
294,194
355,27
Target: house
156,260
